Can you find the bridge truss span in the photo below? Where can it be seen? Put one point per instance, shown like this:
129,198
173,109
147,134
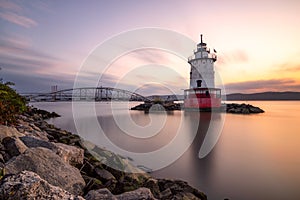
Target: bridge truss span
88,94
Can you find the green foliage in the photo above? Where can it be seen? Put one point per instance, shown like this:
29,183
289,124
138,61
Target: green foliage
11,103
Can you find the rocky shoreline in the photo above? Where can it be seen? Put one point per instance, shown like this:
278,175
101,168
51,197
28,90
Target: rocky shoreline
170,106
41,161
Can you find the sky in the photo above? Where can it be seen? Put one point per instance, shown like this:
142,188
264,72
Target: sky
45,43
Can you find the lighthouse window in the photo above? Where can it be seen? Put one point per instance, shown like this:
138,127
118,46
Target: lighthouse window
207,93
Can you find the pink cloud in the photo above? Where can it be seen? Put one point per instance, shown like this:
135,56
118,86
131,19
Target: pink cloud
18,19
236,56
9,6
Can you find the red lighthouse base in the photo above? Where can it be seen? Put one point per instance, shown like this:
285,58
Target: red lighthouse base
203,99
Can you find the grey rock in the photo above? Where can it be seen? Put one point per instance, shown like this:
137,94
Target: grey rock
29,185
245,111
106,177
138,194
6,131
152,184
70,154
255,110
178,188
34,127
92,183
104,174
42,135
166,194
101,194
33,142
13,146
48,166
1,158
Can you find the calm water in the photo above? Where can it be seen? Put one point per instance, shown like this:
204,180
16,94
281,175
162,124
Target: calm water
256,156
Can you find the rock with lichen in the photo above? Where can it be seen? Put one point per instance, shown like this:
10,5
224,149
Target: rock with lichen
29,185
48,166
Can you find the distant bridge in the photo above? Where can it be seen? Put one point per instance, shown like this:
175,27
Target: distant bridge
87,94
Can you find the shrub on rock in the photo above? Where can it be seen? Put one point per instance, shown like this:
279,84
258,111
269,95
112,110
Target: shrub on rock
11,103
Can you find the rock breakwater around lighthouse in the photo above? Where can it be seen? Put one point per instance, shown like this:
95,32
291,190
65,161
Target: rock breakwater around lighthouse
170,106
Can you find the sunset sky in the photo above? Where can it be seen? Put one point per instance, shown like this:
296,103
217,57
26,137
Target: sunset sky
44,43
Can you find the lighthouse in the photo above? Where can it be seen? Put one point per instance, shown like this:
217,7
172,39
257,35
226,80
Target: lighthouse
202,67
202,93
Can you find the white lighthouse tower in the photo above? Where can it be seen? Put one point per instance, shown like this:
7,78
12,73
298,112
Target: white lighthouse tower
202,67
202,93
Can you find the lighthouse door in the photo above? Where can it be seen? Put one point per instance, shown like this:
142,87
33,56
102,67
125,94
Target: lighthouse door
199,82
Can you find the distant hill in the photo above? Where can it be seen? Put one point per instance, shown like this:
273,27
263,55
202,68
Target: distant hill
265,96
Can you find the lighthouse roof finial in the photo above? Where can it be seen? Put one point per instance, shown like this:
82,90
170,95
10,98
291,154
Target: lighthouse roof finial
201,41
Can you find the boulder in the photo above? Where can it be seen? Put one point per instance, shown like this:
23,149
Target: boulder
178,188
39,114
92,183
33,142
245,110
70,154
101,194
254,109
29,185
54,133
13,146
138,194
152,184
48,166
42,135
6,131
166,194
107,178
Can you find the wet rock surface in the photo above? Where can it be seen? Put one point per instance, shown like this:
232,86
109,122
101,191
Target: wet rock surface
41,161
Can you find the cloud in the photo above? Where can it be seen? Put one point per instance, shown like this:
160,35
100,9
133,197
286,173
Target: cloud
235,56
30,63
9,5
263,86
18,19
30,82
287,67
151,55
15,41
16,53
29,68
13,13
154,89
